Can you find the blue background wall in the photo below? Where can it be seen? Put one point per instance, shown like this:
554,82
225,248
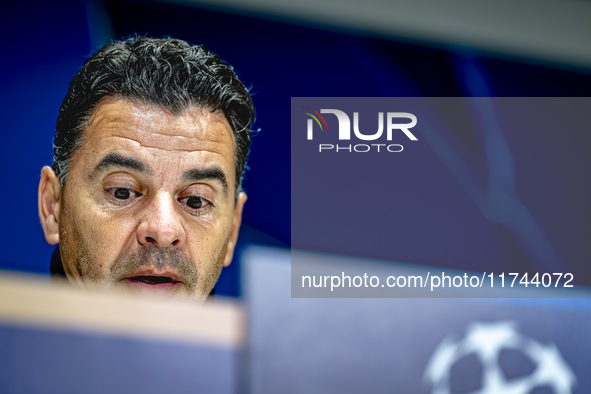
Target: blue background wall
45,43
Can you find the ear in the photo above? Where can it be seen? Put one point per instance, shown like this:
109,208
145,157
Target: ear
235,228
50,198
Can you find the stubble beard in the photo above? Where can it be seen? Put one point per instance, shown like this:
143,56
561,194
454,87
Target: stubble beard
80,266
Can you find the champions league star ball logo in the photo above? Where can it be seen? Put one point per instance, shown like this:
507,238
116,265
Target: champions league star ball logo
484,344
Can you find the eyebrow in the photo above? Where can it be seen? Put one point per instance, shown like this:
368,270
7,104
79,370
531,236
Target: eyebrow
209,173
118,160
196,174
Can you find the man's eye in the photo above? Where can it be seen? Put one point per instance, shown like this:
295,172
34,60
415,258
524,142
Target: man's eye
194,202
121,193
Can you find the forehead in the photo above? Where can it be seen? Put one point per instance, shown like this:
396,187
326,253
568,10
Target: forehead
150,132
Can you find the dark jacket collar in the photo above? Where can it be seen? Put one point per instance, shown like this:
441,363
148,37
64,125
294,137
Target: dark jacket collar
56,268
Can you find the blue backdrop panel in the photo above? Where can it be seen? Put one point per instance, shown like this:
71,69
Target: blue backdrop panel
35,360
437,346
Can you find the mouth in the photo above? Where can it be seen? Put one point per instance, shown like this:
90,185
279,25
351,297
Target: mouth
152,280
154,283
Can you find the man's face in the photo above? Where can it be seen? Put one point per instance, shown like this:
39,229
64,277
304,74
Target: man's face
149,202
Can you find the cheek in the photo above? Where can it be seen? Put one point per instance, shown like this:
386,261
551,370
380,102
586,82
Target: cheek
106,235
206,243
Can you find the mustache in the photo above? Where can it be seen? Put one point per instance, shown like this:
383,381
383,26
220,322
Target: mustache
160,258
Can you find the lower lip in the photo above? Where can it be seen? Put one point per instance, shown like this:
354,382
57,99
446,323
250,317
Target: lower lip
158,288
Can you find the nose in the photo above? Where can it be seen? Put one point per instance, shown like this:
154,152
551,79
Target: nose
160,224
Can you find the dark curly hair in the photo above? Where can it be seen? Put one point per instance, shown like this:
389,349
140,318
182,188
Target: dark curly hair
165,71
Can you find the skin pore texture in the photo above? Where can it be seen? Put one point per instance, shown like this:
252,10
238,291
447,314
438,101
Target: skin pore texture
149,203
